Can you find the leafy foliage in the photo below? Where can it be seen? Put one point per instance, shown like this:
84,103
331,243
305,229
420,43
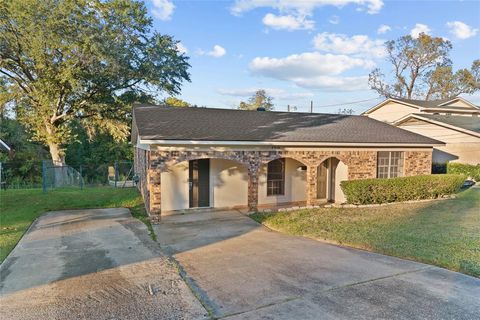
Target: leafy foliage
21,165
422,69
259,100
175,102
371,191
468,170
84,61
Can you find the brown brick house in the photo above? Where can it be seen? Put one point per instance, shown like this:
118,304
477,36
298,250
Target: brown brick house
200,157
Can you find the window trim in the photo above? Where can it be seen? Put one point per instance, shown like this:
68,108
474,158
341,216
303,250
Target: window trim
401,165
282,180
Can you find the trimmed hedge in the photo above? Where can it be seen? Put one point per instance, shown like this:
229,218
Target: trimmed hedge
469,170
375,191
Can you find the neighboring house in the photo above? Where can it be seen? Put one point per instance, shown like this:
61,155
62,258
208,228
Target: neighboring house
456,122
201,157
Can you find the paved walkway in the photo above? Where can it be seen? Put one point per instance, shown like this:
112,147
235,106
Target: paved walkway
242,270
92,264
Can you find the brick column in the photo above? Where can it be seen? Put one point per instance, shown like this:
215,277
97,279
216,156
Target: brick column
311,185
252,188
154,189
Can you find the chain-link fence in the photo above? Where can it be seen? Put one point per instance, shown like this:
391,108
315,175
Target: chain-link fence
46,175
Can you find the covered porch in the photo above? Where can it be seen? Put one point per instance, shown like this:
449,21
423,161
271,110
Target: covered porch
269,181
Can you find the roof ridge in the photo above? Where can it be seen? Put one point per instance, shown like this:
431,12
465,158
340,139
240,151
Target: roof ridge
136,105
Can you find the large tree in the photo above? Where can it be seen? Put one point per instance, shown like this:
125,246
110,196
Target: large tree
82,61
422,69
259,100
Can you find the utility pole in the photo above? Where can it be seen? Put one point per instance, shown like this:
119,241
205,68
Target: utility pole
311,106
288,107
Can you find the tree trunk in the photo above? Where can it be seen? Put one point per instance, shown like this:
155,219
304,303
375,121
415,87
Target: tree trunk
56,174
57,158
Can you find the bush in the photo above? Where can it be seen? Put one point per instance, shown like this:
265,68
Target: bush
439,167
469,170
373,191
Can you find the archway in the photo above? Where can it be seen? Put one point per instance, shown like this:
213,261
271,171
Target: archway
330,173
282,181
204,182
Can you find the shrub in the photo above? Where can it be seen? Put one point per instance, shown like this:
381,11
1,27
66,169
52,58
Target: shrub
372,191
469,170
439,167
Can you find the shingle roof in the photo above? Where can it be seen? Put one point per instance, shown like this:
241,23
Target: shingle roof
424,103
464,122
167,123
433,103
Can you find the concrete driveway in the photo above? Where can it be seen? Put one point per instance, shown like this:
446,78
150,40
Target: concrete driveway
92,264
242,270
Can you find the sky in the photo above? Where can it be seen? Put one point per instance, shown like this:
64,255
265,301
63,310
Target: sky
303,51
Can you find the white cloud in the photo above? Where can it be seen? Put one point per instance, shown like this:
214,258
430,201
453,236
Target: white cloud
163,9
302,7
461,30
419,28
217,52
334,19
358,44
313,70
274,92
383,29
287,22
181,48
304,65
328,83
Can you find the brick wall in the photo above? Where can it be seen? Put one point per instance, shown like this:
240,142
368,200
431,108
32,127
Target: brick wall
361,164
418,163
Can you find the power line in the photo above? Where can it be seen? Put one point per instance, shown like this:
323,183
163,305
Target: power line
346,103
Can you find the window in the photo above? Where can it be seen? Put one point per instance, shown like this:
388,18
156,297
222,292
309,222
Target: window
389,164
276,177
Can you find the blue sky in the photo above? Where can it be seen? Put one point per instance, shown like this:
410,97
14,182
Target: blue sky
320,50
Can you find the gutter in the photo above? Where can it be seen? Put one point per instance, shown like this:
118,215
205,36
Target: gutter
281,143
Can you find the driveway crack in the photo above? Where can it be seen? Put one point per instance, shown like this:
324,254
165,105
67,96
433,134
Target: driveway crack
260,307
377,279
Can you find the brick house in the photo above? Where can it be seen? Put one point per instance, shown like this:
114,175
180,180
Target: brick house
201,157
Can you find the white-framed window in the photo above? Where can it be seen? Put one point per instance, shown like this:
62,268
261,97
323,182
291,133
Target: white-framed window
276,177
389,164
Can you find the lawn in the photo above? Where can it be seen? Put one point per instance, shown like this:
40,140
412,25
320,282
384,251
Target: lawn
445,233
19,208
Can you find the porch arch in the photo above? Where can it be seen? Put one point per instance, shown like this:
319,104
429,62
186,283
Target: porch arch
330,173
294,188
224,183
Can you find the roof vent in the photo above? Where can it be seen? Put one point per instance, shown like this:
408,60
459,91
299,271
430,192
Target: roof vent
261,109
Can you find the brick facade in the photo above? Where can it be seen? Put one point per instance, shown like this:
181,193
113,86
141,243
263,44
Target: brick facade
361,164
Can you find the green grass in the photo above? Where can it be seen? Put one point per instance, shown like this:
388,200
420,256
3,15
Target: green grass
19,208
445,233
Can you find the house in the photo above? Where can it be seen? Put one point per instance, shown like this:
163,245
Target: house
456,122
201,157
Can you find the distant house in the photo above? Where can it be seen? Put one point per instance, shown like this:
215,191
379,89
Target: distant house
201,157
456,122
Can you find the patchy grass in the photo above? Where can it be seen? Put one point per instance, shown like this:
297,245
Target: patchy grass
445,233
19,208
